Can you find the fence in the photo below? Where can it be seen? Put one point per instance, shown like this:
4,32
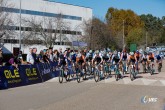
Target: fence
27,74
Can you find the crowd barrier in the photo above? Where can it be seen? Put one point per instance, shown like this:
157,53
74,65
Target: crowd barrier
27,74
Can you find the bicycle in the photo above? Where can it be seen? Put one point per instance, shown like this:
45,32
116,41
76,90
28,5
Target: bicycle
97,73
107,68
151,69
124,67
63,73
144,67
132,71
159,66
117,72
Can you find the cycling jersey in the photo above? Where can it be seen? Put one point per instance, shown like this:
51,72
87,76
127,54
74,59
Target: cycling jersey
105,58
132,59
158,57
151,57
144,58
73,57
137,55
124,56
97,59
62,59
116,58
80,59
89,57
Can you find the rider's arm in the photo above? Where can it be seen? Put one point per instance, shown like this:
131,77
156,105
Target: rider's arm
121,57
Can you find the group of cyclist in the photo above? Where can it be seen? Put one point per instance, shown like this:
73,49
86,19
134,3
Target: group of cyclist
123,59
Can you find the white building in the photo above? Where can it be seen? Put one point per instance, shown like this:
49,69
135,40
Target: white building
39,9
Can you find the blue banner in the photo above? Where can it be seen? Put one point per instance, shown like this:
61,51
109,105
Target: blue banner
31,74
28,74
11,77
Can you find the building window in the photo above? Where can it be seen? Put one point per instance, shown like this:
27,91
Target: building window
30,12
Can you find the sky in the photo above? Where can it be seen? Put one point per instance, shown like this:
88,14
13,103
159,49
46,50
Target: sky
100,7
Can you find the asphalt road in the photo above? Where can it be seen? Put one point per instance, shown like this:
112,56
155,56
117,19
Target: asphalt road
87,95
74,96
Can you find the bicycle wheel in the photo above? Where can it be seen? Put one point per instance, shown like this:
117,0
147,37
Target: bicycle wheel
109,70
144,68
132,74
96,75
159,67
61,75
78,75
105,71
116,74
68,77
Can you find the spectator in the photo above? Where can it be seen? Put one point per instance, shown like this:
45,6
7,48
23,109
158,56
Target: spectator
55,55
1,57
12,62
29,57
50,54
34,51
19,58
40,56
45,57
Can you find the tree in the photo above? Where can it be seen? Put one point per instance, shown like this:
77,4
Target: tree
5,22
97,34
47,30
154,27
115,18
136,36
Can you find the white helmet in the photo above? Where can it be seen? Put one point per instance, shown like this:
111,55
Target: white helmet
131,53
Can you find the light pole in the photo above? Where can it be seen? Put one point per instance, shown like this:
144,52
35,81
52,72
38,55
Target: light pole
123,35
91,37
146,39
20,26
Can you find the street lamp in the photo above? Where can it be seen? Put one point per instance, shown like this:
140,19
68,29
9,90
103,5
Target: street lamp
20,27
123,35
91,37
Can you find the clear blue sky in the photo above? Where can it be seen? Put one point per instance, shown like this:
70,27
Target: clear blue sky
100,7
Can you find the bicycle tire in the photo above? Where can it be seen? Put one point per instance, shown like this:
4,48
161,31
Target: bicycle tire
61,76
68,77
131,75
116,75
96,75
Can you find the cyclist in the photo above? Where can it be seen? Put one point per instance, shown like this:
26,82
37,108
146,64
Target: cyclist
138,56
97,60
132,59
144,61
61,59
116,61
124,59
159,62
80,60
150,59
89,56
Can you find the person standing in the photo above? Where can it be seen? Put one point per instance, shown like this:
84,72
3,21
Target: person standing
29,57
50,54
34,51
1,56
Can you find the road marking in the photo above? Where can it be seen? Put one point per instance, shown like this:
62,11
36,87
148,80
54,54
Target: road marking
148,81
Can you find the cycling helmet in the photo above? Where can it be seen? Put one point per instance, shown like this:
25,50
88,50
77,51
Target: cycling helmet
97,52
131,53
137,51
90,51
108,50
79,55
115,52
145,53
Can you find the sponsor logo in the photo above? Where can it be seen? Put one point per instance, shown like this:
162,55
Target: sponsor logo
148,99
